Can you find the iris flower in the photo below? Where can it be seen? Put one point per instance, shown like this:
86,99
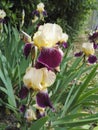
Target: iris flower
88,50
39,12
38,79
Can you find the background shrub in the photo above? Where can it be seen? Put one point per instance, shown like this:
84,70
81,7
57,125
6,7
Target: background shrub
72,15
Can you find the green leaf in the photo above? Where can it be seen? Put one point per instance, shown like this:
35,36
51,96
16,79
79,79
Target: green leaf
78,122
96,128
39,123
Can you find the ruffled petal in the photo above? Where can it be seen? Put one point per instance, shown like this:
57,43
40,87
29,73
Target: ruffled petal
49,77
33,78
50,57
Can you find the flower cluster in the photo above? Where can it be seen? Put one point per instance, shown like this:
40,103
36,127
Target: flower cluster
89,48
39,13
46,56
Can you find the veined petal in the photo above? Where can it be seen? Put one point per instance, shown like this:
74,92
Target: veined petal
48,77
38,79
33,78
50,57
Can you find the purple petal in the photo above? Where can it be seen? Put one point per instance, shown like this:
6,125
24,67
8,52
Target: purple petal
65,44
94,36
1,20
43,100
27,49
95,45
39,65
39,114
23,92
35,12
50,57
44,13
22,108
92,59
78,54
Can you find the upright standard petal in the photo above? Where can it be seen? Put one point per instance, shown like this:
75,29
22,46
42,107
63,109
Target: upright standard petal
88,49
47,35
64,38
50,57
2,14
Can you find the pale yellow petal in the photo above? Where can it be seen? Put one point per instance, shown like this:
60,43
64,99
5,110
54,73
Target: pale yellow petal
48,77
33,78
47,35
88,49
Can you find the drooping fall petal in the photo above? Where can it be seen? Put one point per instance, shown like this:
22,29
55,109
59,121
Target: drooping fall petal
78,54
50,57
23,92
27,49
43,100
38,79
92,59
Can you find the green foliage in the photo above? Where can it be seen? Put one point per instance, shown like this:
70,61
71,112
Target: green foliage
12,66
74,94
70,14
